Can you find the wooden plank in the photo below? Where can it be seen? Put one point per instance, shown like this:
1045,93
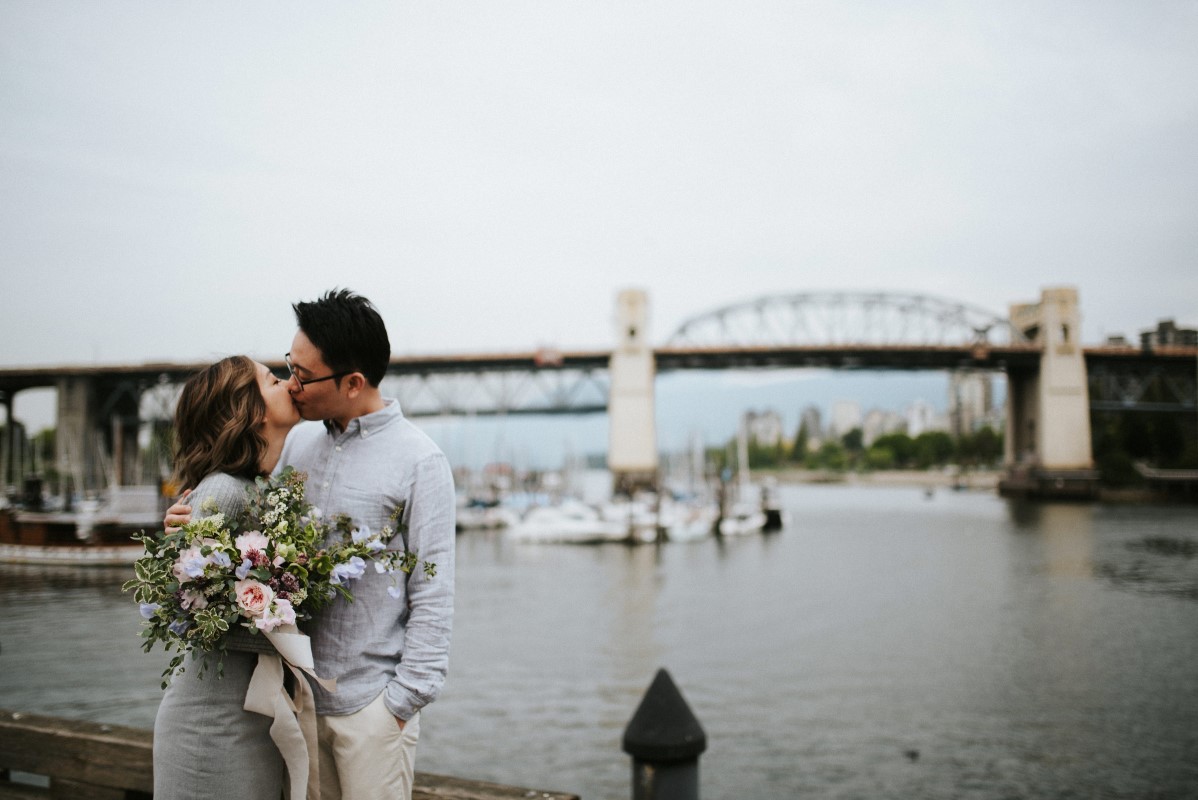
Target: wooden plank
19,791
90,760
69,790
89,753
427,786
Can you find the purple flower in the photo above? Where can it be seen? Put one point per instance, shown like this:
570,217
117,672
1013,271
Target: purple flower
221,559
148,609
179,627
395,591
365,536
244,570
354,568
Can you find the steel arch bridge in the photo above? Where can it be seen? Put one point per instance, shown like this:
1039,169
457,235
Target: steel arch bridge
846,318
834,329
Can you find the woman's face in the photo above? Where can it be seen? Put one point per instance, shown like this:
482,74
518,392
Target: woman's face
280,411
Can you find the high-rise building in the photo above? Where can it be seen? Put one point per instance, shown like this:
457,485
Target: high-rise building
878,423
764,427
1167,334
811,420
970,400
921,417
846,415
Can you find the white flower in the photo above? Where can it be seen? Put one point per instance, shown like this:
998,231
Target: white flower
280,613
252,540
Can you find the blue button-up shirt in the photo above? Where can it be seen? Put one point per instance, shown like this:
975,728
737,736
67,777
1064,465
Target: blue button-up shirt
378,642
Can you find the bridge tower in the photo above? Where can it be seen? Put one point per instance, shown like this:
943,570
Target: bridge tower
1048,446
632,437
97,427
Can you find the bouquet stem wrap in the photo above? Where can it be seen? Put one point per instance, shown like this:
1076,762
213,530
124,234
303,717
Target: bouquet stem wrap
294,728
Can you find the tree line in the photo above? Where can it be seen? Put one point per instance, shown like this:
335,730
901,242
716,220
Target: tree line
982,448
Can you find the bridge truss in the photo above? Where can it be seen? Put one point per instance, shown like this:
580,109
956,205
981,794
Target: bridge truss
482,393
846,318
1127,380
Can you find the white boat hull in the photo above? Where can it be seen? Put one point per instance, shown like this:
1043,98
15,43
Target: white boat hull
71,555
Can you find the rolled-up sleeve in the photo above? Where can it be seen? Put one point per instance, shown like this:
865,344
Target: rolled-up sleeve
429,516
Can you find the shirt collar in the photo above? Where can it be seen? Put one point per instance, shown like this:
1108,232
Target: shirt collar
371,423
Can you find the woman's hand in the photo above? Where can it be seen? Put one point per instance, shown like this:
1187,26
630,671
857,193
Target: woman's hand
177,515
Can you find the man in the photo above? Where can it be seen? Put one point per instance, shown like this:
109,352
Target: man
389,654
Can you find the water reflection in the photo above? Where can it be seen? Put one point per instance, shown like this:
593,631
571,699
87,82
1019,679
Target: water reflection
1020,650
21,579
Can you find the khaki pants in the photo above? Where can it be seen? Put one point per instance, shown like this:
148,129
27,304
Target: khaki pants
364,755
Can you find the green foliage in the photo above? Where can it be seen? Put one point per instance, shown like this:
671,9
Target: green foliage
832,455
288,562
983,447
765,455
798,453
879,458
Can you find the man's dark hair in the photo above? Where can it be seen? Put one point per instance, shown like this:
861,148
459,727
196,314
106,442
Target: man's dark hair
349,333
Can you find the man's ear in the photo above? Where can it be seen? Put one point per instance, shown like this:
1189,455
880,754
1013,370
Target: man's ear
355,384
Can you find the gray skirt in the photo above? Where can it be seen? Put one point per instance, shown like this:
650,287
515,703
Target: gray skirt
206,745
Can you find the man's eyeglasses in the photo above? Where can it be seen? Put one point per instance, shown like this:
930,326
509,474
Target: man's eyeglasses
302,383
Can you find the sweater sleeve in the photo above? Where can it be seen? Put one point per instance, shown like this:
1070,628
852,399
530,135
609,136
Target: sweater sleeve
219,493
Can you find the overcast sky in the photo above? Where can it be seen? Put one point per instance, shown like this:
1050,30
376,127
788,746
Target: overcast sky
491,174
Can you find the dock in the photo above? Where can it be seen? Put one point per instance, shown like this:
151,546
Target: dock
51,757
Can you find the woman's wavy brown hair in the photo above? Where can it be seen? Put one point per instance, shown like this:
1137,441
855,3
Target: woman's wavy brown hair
218,422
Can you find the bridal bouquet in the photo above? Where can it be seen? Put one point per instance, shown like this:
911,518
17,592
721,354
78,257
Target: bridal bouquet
277,564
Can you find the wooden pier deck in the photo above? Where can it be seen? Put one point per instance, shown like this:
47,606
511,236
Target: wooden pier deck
91,761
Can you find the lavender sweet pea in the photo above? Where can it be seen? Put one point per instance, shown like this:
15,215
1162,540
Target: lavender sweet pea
364,535
354,568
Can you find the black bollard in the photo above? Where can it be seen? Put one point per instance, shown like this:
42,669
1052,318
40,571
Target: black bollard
665,740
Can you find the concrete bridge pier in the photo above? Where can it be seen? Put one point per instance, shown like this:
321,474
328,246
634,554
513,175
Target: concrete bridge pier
97,438
1048,445
13,438
632,436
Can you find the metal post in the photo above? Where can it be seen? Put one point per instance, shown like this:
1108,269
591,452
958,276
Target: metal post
665,741
10,448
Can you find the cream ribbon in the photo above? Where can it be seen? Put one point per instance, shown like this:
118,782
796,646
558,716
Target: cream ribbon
294,728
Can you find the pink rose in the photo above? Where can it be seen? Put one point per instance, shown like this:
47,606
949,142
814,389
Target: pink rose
253,598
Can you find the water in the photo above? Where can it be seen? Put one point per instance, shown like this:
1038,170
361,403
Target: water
884,645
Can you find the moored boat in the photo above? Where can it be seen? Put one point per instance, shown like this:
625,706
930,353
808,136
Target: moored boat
570,522
93,535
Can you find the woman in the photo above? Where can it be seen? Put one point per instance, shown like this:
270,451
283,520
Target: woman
230,425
